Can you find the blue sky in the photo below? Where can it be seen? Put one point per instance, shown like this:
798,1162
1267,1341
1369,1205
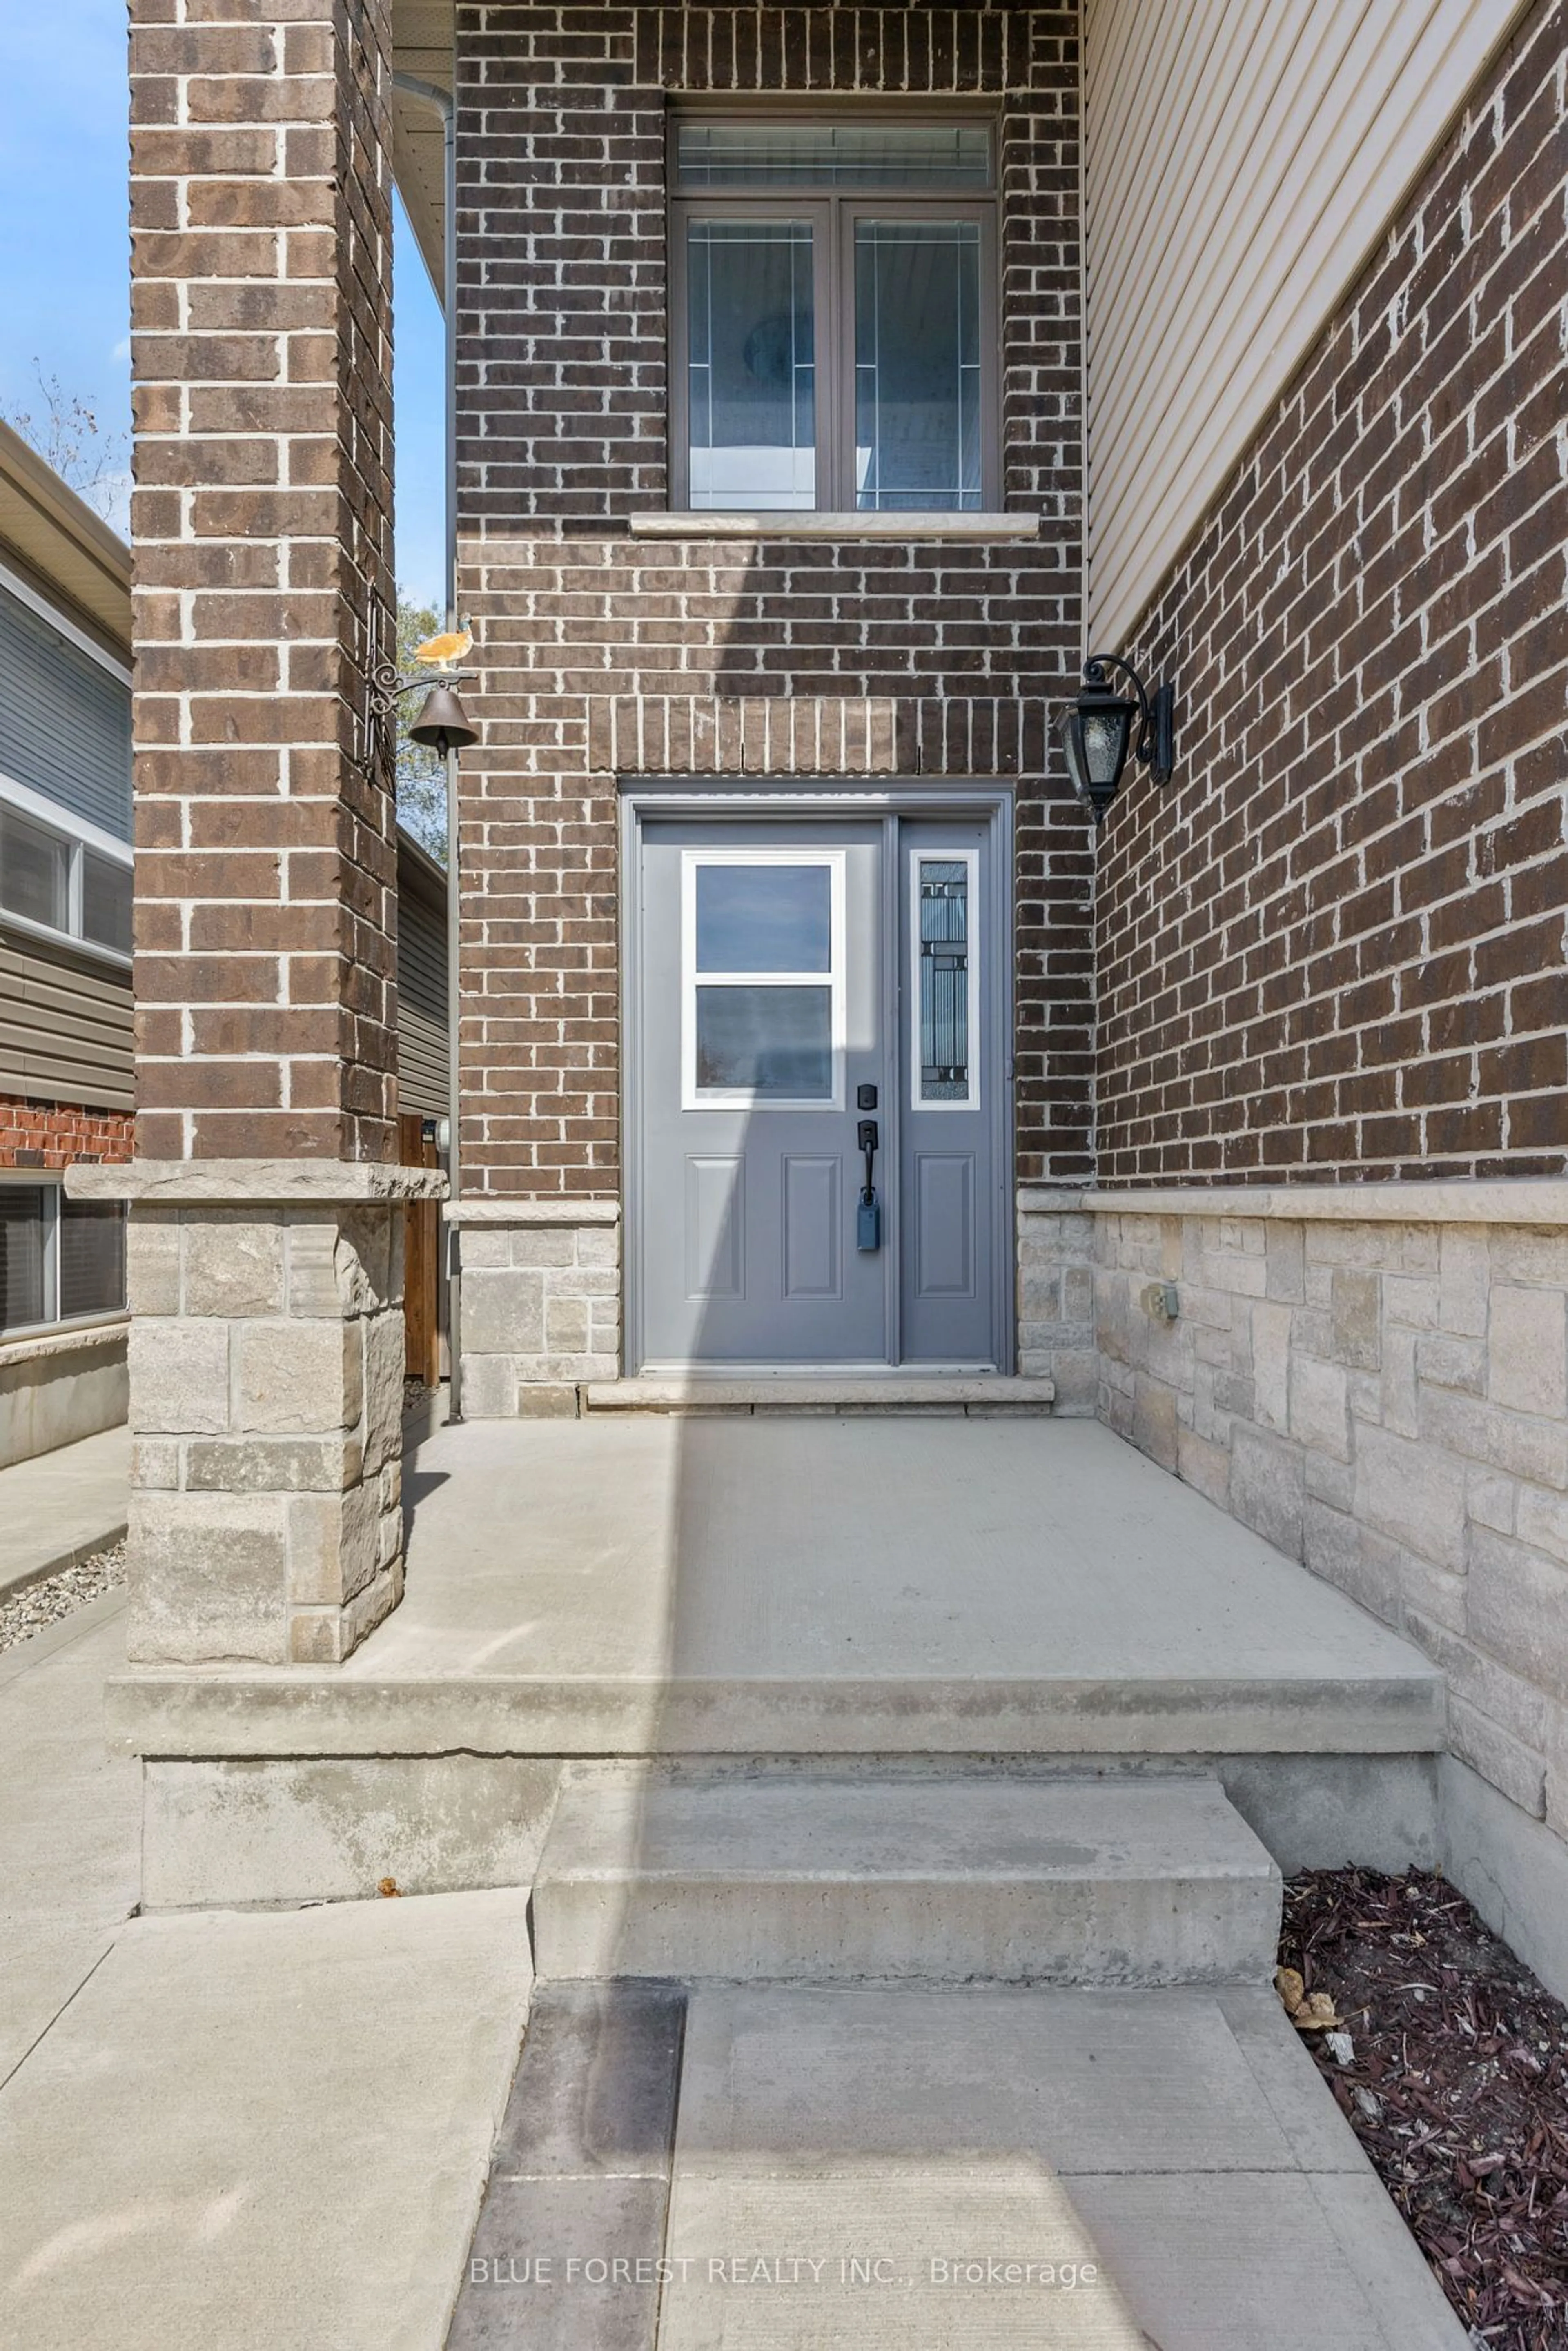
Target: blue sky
64,287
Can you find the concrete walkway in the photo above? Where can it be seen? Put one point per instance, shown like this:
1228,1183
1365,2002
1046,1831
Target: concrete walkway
222,2131
70,1821
786,2169
265,2131
62,1506
1093,2171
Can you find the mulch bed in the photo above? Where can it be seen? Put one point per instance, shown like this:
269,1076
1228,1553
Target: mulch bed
1456,2086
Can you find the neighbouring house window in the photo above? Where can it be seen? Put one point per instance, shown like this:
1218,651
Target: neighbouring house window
834,316
61,1261
61,877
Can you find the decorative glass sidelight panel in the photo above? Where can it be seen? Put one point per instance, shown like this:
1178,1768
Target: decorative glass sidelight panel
943,902
834,155
767,917
917,365
751,365
773,1042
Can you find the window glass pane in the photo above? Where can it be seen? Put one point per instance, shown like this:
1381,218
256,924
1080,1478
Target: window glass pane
944,980
92,1257
834,155
766,1041
106,901
917,363
751,371
24,1291
34,872
764,918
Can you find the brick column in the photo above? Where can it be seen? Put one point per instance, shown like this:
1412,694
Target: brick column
266,1271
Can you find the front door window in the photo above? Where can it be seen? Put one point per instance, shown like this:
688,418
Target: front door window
763,978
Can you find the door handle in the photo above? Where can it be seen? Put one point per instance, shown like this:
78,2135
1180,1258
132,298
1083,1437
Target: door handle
868,1222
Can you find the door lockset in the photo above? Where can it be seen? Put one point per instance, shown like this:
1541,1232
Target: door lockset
868,1220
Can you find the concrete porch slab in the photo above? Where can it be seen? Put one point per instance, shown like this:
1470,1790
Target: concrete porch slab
874,1585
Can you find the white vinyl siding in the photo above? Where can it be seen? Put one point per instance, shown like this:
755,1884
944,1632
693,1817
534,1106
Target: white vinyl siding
1243,158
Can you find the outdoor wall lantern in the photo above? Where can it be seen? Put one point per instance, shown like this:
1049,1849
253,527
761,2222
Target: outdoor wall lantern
1097,728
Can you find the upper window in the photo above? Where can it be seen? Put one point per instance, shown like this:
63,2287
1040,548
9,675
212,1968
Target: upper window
835,316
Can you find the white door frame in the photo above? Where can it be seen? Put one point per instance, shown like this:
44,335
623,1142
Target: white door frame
769,800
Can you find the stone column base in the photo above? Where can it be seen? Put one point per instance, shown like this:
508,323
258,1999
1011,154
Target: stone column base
539,1309
266,1361
1056,1297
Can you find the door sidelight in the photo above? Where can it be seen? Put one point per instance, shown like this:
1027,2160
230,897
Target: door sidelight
868,1222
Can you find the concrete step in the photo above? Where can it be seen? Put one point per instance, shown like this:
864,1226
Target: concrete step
969,1394
830,1878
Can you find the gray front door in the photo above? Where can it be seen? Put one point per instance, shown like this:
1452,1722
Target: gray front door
796,981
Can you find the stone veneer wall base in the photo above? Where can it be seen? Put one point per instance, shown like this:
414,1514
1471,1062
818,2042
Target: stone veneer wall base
1375,1378
541,1312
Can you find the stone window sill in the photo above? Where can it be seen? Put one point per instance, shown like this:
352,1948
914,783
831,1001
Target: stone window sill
972,528
64,1339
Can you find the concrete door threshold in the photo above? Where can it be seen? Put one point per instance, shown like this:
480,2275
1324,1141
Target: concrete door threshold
871,1392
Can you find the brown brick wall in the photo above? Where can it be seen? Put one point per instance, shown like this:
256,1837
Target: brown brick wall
59,1135
261,221
563,376
1336,946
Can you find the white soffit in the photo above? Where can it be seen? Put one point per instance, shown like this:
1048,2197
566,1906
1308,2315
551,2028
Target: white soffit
1242,159
422,46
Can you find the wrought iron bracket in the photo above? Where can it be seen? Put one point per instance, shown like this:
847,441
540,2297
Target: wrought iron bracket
386,687
1155,745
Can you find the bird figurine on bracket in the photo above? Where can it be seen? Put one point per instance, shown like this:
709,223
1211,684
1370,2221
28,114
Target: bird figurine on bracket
448,649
